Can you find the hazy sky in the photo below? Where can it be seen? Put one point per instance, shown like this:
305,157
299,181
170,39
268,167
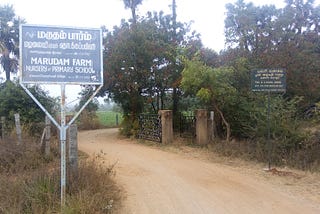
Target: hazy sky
208,16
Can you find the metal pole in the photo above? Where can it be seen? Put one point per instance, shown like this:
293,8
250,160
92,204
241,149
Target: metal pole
63,146
40,105
268,137
82,108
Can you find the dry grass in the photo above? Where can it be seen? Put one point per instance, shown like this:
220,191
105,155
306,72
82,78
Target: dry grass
30,183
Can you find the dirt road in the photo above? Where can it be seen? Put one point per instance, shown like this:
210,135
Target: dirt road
161,182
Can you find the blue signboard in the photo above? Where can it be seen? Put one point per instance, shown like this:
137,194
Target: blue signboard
66,55
272,80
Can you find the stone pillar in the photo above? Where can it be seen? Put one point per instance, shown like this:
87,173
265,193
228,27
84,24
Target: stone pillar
47,136
73,149
201,126
18,128
166,126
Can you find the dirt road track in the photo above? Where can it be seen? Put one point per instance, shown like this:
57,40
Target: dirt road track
160,182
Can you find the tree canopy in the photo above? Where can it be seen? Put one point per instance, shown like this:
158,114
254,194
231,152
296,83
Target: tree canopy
285,38
139,61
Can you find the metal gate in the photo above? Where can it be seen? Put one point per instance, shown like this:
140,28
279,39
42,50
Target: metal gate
150,127
187,126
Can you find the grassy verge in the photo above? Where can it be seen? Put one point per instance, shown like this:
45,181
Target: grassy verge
30,183
109,118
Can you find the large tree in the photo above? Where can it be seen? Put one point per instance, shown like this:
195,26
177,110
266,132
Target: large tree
285,38
139,63
9,39
249,27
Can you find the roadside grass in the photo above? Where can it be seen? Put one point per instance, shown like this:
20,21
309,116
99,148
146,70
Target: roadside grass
304,158
109,119
30,183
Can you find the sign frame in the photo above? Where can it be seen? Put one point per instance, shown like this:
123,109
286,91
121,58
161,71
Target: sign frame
63,126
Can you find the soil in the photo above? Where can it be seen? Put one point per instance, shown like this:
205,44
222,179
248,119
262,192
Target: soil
164,180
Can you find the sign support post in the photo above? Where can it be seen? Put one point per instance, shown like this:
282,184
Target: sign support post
63,139
61,55
269,133
268,80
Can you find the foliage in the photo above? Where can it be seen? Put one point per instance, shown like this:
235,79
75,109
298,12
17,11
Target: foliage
132,5
210,85
13,99
140,63
189,103
129,126
286,38
85,94
284,123
249,27
9,40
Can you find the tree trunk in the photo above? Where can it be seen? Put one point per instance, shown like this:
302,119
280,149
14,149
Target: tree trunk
6,64
224,122
134,17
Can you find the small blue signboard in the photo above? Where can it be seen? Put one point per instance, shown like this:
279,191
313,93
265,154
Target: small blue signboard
67,55
271,80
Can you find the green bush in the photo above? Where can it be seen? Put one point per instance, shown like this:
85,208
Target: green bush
129,126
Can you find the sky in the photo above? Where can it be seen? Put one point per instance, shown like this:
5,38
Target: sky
207,15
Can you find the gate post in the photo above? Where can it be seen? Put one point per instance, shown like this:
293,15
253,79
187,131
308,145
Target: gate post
3,124
166,126
201,126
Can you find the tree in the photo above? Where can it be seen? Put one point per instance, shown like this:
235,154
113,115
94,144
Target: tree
85,94
210,85
13,99
250,28
132,5
285,38
9,39
139,63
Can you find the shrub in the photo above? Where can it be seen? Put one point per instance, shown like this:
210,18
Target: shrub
88,121
129,126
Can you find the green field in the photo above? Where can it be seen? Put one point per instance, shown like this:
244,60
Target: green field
109,118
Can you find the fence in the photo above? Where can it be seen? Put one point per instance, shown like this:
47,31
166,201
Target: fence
150,127
187,126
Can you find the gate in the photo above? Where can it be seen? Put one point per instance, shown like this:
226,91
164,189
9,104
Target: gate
187,126
150,127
